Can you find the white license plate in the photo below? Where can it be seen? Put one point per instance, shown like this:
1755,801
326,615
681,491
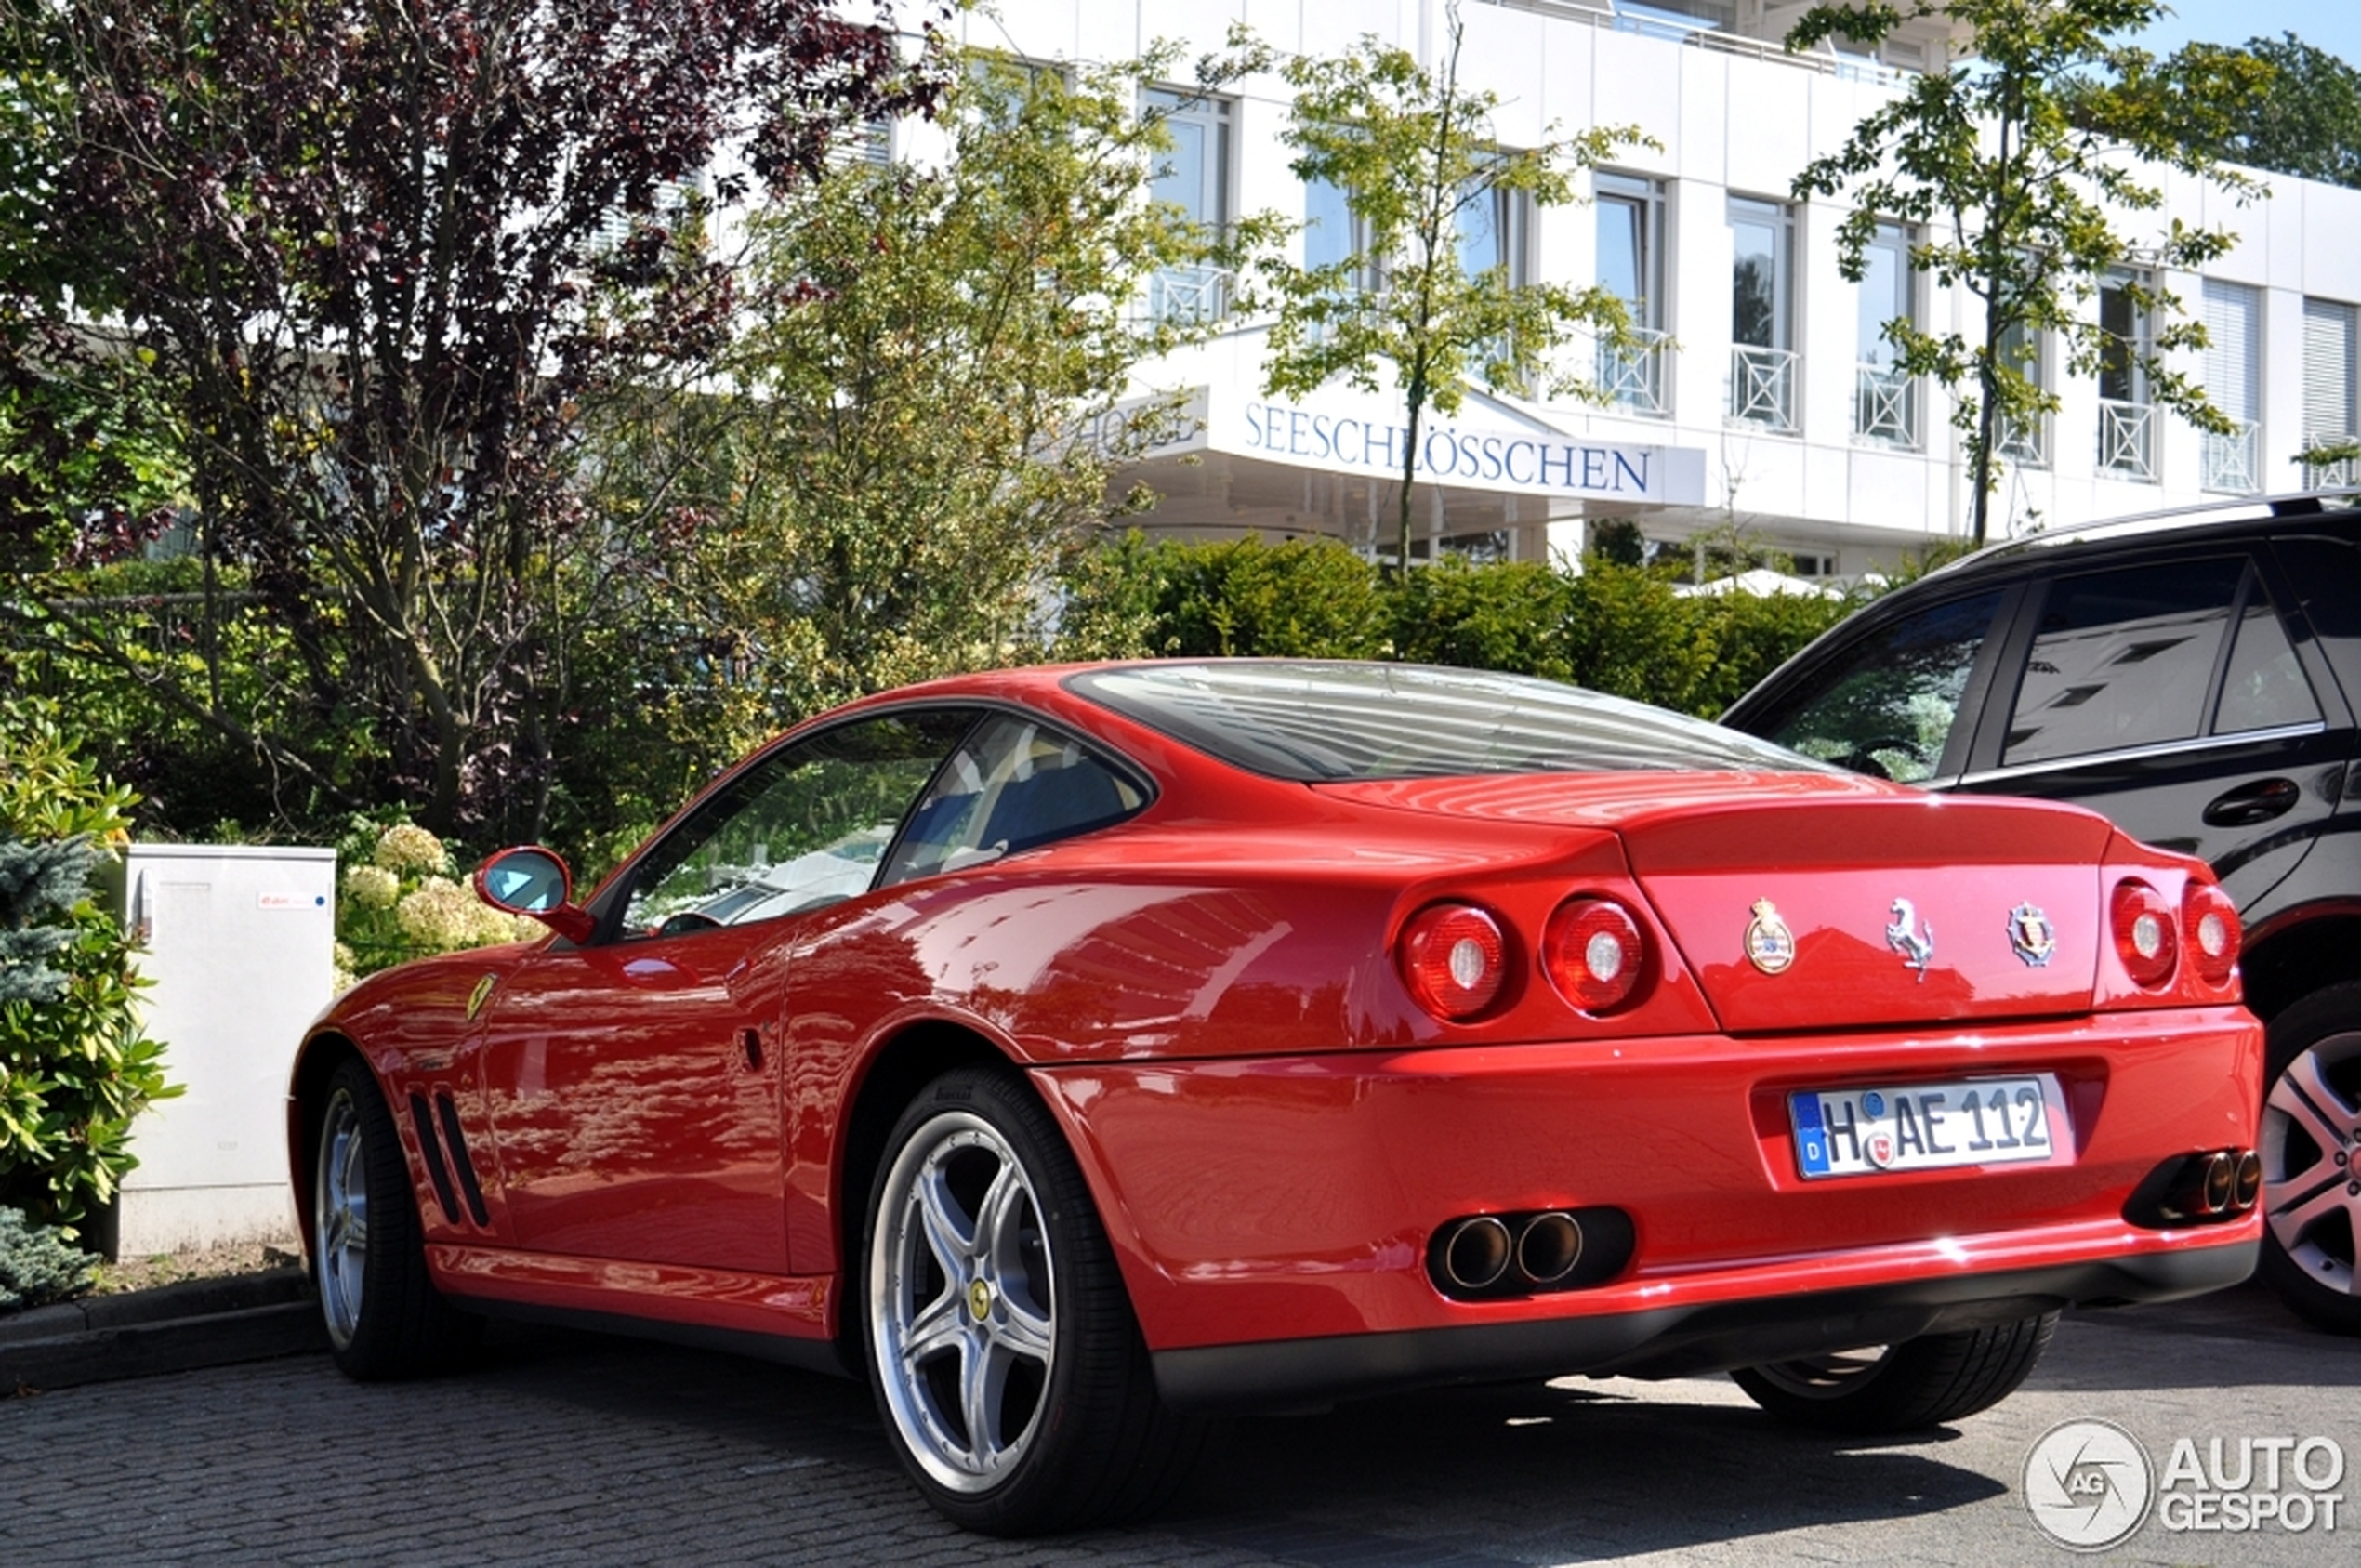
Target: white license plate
1928,1127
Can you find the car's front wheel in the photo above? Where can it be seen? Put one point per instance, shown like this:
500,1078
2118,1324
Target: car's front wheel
1011,1373
385,1318
1918,1383
2310,1141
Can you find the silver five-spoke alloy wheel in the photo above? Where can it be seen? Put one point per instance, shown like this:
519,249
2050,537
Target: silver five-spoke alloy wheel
962,1301
340,1218
2310,1140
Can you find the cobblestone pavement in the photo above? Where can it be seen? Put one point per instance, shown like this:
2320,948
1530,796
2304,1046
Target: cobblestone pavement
576,1449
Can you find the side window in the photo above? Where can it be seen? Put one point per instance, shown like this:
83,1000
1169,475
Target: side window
804,828
1014,785
2123,658
2263,687
1889,709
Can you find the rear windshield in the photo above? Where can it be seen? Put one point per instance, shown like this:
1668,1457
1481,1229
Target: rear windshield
1319,723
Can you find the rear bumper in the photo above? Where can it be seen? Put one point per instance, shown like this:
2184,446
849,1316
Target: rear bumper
1290,1201
1673,1341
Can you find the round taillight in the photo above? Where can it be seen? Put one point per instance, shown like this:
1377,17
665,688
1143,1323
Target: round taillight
1593,953
1454,959
2144,932
2210,924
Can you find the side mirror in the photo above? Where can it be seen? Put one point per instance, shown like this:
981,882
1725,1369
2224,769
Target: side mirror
533,881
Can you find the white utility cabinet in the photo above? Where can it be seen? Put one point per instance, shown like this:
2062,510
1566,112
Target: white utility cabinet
240,942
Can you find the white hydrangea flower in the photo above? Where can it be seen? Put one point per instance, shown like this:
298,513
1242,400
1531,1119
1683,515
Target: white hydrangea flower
406,846
438,914
372,887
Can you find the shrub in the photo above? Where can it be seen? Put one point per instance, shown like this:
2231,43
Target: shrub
38,1265
1508,615
75,1066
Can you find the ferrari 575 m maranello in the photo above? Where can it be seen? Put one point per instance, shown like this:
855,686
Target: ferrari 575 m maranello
1082,1054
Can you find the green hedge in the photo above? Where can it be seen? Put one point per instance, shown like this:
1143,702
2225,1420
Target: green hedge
1611,627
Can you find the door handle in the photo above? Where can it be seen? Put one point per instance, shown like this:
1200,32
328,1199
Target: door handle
2252,803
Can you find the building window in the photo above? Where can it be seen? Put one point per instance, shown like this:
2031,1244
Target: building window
2025,350
1630,221
1496,231
1763,358
2232,380
2329,342
1194,176
2127,423
1884,399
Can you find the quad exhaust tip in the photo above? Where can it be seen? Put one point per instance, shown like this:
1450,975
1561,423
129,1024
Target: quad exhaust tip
2199,1189
1517,1254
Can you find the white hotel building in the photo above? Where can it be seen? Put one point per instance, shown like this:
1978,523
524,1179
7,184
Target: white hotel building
1768,403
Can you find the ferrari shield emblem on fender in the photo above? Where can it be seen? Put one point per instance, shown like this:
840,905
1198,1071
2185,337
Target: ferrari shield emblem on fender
1908,937
2031,937
480,996
1770,945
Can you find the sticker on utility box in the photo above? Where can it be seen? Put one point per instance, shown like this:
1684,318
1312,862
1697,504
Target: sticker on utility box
291,900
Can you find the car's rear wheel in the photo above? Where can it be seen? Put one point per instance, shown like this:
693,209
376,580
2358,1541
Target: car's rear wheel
1011,1373
385,1318
1921,1382
2310,1140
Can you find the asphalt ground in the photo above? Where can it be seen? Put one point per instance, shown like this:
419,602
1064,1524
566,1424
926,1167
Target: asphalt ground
563,1448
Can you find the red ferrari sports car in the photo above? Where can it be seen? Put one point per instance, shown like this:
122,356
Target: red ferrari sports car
1083,1053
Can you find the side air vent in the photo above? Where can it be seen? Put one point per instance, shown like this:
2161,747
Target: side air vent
437,1171
468,1183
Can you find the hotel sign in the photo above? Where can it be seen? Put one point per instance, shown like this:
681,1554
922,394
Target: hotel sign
1369,439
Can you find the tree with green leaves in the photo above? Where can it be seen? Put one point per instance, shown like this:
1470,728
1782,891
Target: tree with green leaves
2304,119
1414,155
916,425
2018,169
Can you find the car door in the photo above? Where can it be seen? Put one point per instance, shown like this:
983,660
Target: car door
634,1083
2182,698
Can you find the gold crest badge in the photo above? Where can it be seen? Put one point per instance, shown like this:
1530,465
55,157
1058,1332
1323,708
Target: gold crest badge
480,996
1770,945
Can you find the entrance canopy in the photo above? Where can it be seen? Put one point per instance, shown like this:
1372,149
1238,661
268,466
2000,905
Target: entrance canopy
1234,460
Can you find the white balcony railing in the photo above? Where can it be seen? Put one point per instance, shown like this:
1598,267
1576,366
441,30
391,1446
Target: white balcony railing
2127,438
1762,386
1189,294
1885,405
2343,471
2234,462
2027,445
1632,378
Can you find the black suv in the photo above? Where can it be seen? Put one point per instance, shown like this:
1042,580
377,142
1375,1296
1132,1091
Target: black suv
2191,676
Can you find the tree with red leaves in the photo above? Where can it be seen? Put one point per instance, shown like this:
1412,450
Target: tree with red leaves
385,255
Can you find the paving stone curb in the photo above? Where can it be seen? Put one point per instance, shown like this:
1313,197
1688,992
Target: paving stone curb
172,1328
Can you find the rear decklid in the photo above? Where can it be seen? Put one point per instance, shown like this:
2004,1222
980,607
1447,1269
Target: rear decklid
1815,902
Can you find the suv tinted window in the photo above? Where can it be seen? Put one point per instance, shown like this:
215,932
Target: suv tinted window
2264,686
1889,707
2122,659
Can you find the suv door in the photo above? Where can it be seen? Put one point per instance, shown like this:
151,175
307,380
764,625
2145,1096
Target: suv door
2175,697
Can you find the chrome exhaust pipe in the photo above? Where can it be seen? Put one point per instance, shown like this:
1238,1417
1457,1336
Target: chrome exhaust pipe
1549,1246
2220,1182
2249,1182
1477,1254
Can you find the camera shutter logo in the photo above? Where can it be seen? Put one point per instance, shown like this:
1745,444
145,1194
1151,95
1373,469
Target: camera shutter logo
2088,1484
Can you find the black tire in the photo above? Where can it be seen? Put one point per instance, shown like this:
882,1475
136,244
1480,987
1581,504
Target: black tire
1922,1382
1007,1367
2309,1140
385,1318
